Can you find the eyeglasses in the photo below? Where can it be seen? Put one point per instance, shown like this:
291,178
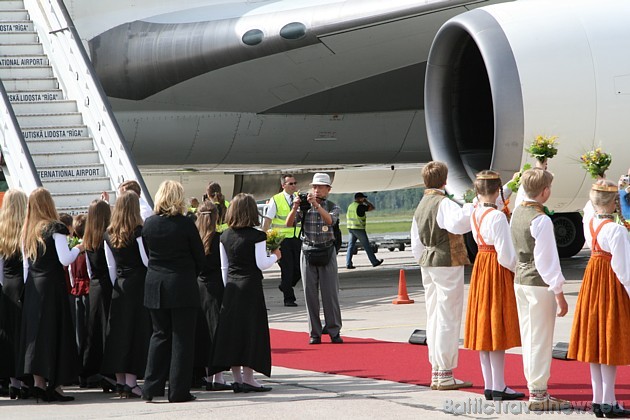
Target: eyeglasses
291,183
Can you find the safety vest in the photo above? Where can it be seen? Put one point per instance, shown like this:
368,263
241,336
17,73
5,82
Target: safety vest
353,220
223,226
282,211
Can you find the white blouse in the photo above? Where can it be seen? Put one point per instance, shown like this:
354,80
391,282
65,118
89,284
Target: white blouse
66,256
495,230
263,261
111,261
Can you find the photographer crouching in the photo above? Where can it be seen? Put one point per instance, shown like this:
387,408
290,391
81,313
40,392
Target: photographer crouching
318,262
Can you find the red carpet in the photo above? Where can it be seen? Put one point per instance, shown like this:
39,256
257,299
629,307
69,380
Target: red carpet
407,363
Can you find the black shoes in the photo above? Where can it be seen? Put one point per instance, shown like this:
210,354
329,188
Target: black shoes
291,304
128,392
487,393
350,267
315,340
218,386
505,396
251,388
54,395
336,339
611,411
187,398
379,262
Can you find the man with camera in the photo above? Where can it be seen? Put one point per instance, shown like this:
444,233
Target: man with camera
318,261
276,216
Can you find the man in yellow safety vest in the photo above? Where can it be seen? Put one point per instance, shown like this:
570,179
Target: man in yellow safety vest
277,211
356,221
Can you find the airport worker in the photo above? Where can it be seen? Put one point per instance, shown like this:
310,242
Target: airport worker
538,284
214,194
318,263
603,305
355,222
48,350
12,217
276,216
242,337
491,316
438,245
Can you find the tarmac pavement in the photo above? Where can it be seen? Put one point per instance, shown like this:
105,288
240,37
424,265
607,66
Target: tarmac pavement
366,295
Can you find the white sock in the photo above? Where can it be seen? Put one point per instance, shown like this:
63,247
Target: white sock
218,378
131,379
609,374
120,378
15,383
248,377
596,382
236,373
497,361
486,369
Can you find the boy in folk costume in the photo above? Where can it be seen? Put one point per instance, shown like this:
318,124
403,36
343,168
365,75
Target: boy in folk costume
538,284
603,305
438,245
491,316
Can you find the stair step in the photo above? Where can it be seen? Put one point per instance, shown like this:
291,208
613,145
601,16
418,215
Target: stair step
54,133
17,25
37,120
58,145
74,157
45,107
20,49
11,4
35,96
79,199
34,72
24,60
10,15
20,85
20,37
48,173
65,186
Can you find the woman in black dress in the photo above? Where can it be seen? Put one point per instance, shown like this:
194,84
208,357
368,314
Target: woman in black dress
100,297
48,349
12,217
242,338
171,294
211,294
129,329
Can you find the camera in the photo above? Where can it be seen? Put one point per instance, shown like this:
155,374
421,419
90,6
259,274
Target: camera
304,204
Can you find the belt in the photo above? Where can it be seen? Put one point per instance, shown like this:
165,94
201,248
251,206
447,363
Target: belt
320,244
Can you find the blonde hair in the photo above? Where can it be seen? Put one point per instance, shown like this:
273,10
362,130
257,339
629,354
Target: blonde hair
125,219
207,215
535,180
98,217
12,217
170,199
603,198
40,212
434,174
243,212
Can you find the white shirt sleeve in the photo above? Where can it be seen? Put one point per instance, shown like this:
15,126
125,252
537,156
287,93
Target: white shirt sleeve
24,264
66,256
453,218
614,238
589,213
224,263
111,263
546,257
263,261
70,276
143,252
271,209
88,266
500,232
1,271
145,209
417,247
520,196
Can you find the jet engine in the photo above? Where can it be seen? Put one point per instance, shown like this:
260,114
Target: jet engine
500,75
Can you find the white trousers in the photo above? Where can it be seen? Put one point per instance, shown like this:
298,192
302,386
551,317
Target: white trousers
537,318
444,296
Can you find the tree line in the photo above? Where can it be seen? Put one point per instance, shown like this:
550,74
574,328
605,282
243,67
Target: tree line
384,201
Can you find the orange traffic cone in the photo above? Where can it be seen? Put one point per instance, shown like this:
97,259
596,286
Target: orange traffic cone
403,297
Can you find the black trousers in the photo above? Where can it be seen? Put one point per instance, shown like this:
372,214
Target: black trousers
290,267
171,353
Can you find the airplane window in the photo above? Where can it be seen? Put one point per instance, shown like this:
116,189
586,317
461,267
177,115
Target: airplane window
253,37
293,30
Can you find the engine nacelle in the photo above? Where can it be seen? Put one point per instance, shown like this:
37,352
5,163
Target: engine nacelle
498,76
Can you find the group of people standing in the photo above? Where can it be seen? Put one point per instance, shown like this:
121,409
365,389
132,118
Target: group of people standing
516,286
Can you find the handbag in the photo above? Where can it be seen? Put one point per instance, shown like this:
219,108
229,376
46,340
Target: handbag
318,254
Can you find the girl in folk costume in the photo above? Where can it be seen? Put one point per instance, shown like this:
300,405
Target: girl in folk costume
491,317
603,306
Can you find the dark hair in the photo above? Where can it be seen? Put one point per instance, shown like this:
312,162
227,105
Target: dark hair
66,219
243,212
98,217
283,178
130,185
207,215
434,174
78,224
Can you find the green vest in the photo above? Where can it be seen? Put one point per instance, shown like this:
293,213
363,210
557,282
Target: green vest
223,226
442,248
280,220
353,220
522,217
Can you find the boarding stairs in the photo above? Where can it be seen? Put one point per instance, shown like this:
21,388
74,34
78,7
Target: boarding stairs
66,138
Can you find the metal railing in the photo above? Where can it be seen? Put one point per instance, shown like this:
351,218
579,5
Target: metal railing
21,172
75,72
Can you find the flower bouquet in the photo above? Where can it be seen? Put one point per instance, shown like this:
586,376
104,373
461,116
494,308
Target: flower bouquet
274,239
543,148
469,195
515,182
73,241
596,162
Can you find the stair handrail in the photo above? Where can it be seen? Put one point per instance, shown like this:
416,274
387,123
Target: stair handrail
80,83
15,153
